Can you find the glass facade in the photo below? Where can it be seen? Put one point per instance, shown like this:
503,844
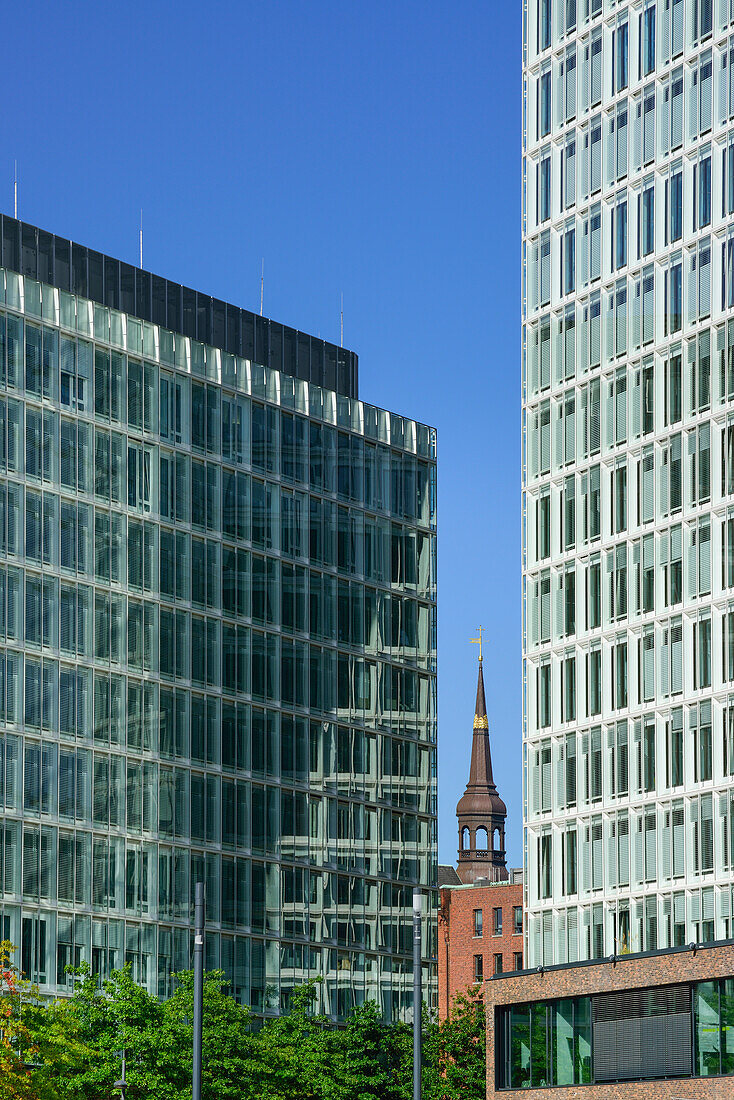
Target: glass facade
628,472
545,1043
217,662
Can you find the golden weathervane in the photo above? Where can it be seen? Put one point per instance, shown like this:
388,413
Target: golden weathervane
478,641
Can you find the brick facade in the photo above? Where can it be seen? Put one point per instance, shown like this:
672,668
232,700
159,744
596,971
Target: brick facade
628,972
458,943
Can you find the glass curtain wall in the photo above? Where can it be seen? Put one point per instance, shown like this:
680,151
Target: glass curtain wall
217,663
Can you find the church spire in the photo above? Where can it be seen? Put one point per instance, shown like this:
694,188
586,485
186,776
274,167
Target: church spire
480,771
481,812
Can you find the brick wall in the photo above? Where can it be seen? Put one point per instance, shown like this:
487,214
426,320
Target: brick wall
457,943
629,972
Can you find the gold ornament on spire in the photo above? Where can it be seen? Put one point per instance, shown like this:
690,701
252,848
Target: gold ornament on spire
478,641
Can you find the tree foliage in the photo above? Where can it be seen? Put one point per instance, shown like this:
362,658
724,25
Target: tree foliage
16,1043
71,1050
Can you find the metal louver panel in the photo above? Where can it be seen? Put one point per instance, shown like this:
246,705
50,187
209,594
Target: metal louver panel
665,120
642,1034
622,139
704,279
676,111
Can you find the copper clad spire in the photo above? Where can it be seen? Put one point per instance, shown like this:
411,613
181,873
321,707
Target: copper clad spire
480,709
481,793
481,811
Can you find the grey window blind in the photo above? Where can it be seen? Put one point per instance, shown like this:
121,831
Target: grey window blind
642,1034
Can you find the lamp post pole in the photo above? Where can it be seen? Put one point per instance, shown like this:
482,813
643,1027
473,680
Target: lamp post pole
417,995
121,1085
198,986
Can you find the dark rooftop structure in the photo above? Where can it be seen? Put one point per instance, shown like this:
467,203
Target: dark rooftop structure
77,269
447,875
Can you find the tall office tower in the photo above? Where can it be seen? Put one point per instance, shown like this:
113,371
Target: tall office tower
217,631
628,420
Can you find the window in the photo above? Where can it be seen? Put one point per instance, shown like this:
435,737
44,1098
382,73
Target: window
702,192
620,57
517,920
702,653
648,125
674,749
619,233
477,922
593,595
545,1043
478,968
545,865
498,964
544,104
568,172
672,388
569,852
699,718
646,220
593,681
713,1008
517,960
619,509
647,40
596,67
702,18
544,24
544,190
568,260
674,206
569,82
568,688
543,525
673,312
497,922
544,695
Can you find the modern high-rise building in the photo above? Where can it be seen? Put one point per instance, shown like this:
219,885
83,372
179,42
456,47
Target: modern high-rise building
217,641
628,472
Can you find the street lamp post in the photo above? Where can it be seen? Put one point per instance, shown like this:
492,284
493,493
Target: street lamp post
121,1085
417,995
198,986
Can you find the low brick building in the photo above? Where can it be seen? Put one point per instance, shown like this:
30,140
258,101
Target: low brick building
479,934
480,926
655,1025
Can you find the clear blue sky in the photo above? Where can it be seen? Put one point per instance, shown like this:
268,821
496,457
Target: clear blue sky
365,149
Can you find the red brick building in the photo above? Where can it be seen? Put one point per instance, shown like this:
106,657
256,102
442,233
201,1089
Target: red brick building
479,934
480,927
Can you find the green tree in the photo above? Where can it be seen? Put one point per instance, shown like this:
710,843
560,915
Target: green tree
294,1051
75,1046
229,1068
366,1058
17,1048
93,1027
453,1064
157,1039
462,1064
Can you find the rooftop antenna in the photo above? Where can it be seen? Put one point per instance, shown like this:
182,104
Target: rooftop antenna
262,283
341,324
141,236
15,190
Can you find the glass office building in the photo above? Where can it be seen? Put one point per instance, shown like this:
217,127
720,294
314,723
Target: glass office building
628,471
217,641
